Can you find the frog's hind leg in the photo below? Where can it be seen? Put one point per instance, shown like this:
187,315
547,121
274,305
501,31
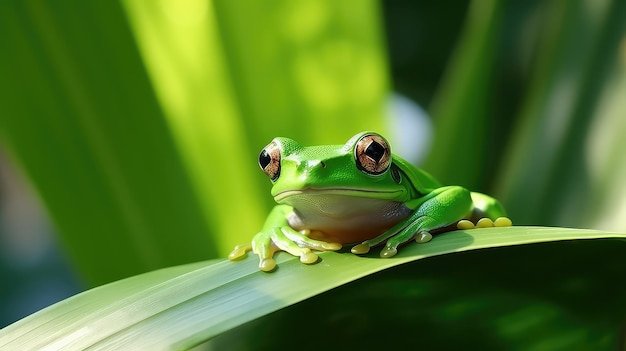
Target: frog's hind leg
487,212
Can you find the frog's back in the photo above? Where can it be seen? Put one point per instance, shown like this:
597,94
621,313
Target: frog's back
423,181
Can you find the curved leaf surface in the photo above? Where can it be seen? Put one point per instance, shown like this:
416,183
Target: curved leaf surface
179,307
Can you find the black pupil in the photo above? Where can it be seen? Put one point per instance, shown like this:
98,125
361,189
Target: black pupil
264,159
375,151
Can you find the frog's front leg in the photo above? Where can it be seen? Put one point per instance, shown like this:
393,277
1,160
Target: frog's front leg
277,235
437,209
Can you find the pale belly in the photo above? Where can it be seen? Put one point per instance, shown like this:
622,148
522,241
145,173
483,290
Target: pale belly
343,218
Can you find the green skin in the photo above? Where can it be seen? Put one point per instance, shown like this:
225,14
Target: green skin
329,195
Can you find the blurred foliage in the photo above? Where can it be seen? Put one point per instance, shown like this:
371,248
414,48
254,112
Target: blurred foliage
528,106
80,117
139,123
576,64
468,82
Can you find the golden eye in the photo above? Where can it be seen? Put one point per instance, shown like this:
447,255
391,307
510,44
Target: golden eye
269,160
372,154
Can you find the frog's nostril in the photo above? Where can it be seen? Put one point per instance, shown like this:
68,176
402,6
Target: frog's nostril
323,164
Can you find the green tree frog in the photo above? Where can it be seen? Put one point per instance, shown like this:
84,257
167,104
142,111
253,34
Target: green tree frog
357,193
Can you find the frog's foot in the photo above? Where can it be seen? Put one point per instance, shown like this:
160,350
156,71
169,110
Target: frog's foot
266,263
391,248
267,243
484,223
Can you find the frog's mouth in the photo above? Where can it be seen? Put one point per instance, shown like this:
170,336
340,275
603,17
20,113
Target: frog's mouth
351,192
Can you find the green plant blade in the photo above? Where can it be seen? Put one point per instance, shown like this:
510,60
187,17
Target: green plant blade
564,129
179,307
88,130
550,296
302,68
464,92
179,44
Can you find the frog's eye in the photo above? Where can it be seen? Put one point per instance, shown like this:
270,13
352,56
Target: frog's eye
269,160
372,154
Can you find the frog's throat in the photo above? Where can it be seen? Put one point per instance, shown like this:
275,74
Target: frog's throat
367,193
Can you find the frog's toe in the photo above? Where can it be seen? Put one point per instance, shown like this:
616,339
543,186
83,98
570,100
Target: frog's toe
484,223
308,257
361,249
465,224
503,222
267,264
388,251
302,239
331,246
239,252
319,245
423,237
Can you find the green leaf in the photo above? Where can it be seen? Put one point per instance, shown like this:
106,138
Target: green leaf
565,155
179,307
548,296
79,115
460,110
314,70
179,44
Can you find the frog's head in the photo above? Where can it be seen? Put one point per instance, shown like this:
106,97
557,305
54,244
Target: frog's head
362,167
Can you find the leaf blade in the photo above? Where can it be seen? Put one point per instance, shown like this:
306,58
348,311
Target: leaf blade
179,307
95,144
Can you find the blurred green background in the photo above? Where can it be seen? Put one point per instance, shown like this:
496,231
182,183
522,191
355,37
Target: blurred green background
137,124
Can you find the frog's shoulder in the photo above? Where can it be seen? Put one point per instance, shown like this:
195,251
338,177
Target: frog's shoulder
423,181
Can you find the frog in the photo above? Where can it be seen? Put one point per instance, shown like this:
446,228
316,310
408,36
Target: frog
358,194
